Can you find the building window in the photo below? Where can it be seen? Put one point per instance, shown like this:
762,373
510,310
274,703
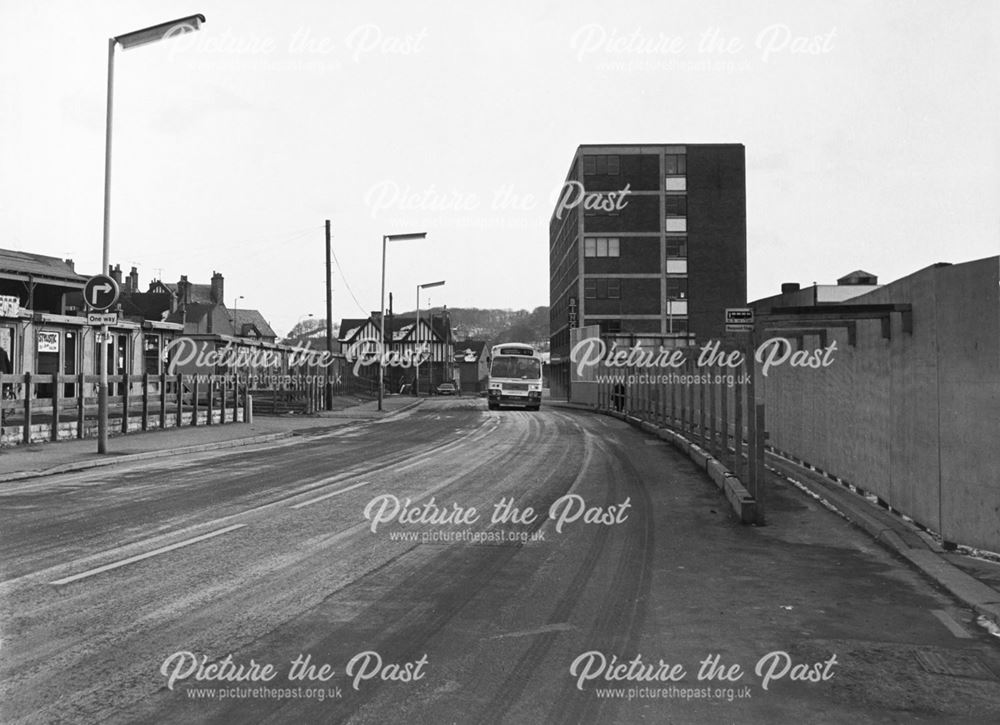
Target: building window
7,343
677,224
677,288
602,288
677,247
610,327
151,353
675,183
601,247
677,205
677,266
69,362
604,205
601,164
675,164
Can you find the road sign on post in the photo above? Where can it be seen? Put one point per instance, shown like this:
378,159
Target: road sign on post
102,318
739,319
101,292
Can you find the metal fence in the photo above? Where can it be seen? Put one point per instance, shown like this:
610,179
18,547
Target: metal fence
712,406
35,408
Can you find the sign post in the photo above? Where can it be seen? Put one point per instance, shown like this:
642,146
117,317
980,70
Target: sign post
739,319
100,293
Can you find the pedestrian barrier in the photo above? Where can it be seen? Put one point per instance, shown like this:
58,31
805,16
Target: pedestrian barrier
37,408
709,411
307,394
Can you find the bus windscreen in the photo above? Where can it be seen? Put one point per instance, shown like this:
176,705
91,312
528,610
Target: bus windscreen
516,367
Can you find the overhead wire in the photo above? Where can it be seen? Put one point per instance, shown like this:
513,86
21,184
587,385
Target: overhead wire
347,284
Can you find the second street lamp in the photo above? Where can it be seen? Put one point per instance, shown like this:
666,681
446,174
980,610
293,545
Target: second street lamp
416,381
381,310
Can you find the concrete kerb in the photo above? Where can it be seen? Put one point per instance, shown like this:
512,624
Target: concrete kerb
743,504
197,448
130,457
896,535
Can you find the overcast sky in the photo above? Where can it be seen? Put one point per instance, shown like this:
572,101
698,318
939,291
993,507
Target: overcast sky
870,131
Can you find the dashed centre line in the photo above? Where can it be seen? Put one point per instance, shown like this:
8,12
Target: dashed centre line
329,495
147,555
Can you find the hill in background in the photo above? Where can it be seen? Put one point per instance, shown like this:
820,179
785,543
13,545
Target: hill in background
471,323
495,326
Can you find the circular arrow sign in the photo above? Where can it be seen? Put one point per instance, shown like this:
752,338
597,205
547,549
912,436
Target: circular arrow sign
100,292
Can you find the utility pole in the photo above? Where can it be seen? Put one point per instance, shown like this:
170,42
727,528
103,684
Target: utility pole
387,350
329,320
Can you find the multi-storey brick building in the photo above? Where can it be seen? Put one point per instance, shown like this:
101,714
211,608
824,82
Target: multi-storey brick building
647,240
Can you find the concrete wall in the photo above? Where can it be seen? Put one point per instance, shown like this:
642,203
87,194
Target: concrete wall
915,418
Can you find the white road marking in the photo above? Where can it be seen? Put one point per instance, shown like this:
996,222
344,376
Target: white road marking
471,436
948,621
544,629
329,495
147,555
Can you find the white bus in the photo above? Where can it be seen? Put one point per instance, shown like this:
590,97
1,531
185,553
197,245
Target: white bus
515,376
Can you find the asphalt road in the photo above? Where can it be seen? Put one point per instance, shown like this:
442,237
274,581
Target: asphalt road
215,588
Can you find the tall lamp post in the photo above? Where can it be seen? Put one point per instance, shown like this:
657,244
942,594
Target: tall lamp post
134,39
416,382
235,302
381,310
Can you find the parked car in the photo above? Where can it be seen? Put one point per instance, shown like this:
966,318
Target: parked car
446,389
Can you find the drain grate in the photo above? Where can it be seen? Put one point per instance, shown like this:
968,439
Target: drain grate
956,664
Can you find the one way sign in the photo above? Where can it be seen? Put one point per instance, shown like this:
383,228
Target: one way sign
100,292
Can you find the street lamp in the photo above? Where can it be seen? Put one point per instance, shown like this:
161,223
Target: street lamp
134,39
416,382
381,310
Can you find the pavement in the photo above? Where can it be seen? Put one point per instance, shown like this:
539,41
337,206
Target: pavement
971,576
44,459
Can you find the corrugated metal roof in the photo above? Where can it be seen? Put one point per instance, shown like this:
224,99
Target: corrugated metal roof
38,265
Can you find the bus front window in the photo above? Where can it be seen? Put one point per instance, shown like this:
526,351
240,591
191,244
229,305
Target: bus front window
512,367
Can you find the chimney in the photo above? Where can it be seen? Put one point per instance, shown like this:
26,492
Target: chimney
71,265
182,290
787,287
116,274
217,289
133,280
